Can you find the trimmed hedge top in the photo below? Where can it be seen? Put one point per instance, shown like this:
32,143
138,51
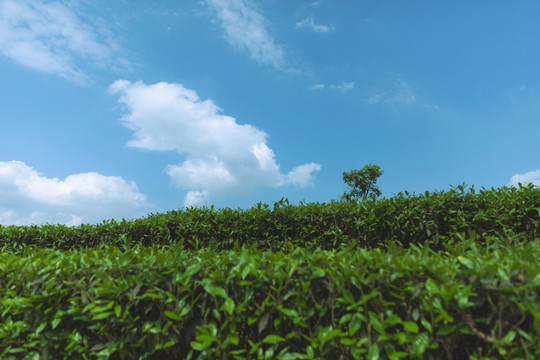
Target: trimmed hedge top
404,218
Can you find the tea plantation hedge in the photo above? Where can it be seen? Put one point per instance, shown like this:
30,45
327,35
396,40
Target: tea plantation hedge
469,302
404,218
442,275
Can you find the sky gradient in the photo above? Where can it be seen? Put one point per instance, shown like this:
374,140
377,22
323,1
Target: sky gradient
118,109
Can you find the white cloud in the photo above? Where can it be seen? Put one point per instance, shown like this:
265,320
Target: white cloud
246,29
29,197
317,87
49,37
303,175
529,177
343,87
222,156
309,23
194,198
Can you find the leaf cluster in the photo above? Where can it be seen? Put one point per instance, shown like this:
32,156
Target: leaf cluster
468,301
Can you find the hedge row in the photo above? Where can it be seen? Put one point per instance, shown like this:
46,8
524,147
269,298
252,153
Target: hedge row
469,302
405,218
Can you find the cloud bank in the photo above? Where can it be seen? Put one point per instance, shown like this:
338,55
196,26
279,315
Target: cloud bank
49,37
27,197
222,156
529,177
246,29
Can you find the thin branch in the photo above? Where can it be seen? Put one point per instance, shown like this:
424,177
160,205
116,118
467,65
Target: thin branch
467,318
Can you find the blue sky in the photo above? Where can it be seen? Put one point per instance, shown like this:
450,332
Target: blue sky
118,109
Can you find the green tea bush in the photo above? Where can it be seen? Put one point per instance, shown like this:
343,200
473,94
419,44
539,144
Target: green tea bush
466,302
404,218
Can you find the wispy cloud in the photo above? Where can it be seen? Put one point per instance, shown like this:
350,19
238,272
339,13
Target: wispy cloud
343,87
246,29
529,177
51,38
314,4
222,156
29,197
309,23
317,87
398,92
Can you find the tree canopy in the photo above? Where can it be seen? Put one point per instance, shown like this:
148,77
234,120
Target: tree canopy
363,183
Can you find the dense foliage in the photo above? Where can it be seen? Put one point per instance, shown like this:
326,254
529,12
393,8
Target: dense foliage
466,302
405,218
442,275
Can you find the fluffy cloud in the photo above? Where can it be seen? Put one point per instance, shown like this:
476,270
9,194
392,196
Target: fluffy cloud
303,175
28,197
222,156
51,38
529,177
246,29
309,23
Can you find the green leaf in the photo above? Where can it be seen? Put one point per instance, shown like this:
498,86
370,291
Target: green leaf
508,338
289,312
411,327
445,330
168,344
229,305
431,286
318,273
465,261
348,296
215,290
234,339
355,324
152,294
427,325
118,310
398,355
376,323
347,341
373,353
197,346
273,339
55,322
172,315
41,327
263,321
102,315
16,350
245,271
419,344
328,334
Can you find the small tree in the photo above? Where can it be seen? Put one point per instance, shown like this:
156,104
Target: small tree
363,183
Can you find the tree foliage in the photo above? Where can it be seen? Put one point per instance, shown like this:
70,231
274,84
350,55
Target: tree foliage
363,183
